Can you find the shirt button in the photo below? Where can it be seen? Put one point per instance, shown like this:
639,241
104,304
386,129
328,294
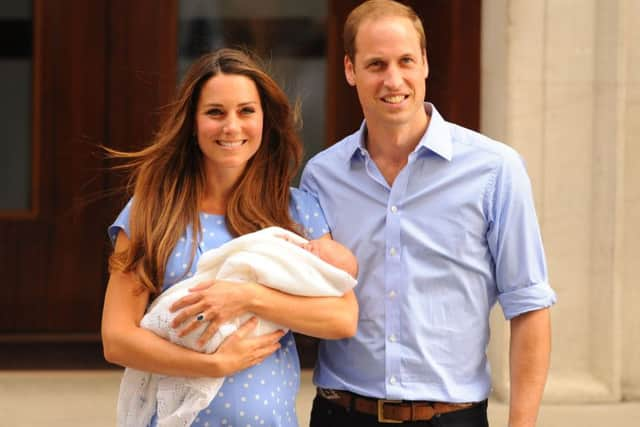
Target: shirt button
394,209
392,380
392,294
392,251
392,338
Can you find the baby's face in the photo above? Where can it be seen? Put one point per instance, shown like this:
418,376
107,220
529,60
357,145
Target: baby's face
316,248
313,246
322,248
325,249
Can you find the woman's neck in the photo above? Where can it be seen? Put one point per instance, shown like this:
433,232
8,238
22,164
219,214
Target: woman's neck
217,191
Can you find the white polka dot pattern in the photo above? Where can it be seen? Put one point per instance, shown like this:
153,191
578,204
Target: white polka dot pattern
263,395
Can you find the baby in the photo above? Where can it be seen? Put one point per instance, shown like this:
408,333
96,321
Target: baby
273,257
331,252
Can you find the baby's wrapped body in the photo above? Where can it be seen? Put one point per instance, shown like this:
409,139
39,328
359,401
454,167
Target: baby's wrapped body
270,257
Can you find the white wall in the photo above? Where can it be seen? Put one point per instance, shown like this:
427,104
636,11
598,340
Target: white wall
560,83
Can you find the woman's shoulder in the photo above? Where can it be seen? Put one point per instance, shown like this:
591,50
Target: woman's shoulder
301,196
302,202
306,211
121,222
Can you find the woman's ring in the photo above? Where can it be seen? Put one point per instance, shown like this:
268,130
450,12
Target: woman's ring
200,317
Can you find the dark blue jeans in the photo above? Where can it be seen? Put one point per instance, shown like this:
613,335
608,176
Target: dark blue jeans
327,414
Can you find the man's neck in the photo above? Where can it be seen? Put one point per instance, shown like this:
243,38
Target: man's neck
390,147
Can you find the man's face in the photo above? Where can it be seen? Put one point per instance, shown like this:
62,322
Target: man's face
389,71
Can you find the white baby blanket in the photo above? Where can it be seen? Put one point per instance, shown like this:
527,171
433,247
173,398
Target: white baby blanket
264,257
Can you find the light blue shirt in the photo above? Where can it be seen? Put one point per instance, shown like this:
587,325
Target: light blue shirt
455,232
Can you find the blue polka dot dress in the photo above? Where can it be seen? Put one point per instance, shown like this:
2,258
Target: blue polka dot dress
263,395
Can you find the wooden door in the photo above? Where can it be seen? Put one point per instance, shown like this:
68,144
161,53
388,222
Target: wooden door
51,252
101,69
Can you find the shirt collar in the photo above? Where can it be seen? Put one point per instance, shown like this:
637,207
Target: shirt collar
437,137
356,143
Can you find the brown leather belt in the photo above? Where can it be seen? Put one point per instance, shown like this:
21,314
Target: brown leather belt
391,411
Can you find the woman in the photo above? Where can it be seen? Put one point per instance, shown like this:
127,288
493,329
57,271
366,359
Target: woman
220,167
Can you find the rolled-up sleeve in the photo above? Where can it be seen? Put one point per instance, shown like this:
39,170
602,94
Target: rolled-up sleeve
515,241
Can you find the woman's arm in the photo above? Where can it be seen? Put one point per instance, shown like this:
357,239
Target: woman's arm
220,301
127,344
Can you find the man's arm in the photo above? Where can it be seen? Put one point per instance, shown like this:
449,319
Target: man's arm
530,348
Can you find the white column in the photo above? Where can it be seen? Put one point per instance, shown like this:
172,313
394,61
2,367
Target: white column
560,84
630,259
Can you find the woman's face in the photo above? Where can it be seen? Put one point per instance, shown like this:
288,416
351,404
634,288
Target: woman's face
228,123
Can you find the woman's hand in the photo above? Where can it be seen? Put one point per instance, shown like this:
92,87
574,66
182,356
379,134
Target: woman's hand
241,351
216,302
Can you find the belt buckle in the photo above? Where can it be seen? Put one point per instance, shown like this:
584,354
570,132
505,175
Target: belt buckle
381,418
328,393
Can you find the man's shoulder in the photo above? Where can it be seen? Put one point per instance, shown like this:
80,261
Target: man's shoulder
341,151
480,144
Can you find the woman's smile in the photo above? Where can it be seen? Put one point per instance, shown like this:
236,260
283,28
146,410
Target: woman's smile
231,144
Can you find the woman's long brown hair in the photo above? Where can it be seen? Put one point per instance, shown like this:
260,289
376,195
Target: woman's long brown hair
168,181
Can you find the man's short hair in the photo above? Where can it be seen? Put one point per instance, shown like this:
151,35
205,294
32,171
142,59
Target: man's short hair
373,9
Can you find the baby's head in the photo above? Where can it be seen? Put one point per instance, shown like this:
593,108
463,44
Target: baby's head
333,253
330,252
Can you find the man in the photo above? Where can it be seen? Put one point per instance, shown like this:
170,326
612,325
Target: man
443,224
